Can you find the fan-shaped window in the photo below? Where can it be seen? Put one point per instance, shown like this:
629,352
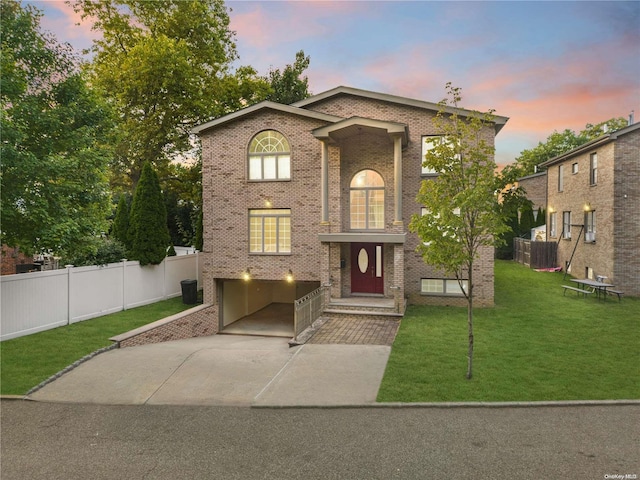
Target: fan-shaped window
269,157
367,201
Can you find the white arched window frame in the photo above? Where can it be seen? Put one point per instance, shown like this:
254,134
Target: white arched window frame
366,201
269,157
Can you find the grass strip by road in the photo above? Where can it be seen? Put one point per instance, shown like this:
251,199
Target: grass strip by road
27,361
535,345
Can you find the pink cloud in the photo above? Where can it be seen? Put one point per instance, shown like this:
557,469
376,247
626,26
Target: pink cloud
262,27
65,23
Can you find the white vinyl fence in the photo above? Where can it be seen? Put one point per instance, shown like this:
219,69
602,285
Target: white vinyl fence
33,302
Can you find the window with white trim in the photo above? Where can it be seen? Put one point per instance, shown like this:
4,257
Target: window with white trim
443,286
566,225
593,169
553,224
270,231
269,157
560,178
366,206
590,226
429,142
574,168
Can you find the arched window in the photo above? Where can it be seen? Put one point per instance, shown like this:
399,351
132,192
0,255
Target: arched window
367,201
269,157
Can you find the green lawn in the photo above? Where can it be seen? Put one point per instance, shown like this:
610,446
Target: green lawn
29,360
535,344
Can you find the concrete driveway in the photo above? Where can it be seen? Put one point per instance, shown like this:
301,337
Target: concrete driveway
228,370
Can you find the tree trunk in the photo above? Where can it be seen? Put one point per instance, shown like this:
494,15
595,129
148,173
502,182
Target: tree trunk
470,324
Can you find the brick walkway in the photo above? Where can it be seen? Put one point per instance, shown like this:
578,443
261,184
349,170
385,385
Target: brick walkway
357,332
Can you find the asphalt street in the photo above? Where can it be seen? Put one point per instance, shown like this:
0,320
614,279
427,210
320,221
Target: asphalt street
79,441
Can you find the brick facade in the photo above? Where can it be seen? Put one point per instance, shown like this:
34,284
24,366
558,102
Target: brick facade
535,187
228,195
615,199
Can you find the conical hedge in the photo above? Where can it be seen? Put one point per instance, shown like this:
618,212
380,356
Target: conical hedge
148,231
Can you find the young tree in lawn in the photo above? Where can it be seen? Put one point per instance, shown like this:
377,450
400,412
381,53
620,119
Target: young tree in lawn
148,232
462,212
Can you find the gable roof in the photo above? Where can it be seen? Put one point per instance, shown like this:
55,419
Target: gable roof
302,108
499,121
606,138
265,105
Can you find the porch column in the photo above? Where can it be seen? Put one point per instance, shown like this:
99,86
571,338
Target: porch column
397,174
324,182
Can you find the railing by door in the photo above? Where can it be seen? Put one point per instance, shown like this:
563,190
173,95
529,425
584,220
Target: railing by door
308,309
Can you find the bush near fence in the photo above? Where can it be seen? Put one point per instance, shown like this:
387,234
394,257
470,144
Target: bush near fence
33,302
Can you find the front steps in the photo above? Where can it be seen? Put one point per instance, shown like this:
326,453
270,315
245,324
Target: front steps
357,307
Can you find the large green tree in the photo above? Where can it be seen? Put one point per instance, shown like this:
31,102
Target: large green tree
165,66
55,132
148,233
462,212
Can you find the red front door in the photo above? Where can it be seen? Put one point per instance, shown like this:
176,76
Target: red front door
366,268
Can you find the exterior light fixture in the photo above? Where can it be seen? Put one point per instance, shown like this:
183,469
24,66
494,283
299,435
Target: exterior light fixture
246,275
587,207
289,276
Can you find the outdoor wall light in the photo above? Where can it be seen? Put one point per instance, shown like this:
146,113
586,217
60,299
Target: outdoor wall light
587,207
289,276
246,275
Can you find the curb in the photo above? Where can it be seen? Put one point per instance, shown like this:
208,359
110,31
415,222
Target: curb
454,405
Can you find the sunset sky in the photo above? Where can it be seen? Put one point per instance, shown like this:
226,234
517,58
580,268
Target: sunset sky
546,65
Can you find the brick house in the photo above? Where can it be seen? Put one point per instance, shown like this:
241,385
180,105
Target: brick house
593,208
320,193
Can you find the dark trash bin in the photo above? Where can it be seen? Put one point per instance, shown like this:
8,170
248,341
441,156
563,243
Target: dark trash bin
189,292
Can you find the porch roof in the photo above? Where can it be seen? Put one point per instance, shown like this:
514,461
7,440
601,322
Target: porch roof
355,125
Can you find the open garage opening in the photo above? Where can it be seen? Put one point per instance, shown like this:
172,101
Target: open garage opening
260,307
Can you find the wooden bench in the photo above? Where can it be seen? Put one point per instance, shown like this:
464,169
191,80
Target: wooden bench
578,290
616,292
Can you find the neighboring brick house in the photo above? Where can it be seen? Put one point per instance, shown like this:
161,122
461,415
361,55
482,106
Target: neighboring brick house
321,192
535,187
593,208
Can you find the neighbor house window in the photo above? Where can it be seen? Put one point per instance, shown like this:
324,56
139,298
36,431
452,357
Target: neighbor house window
269,157
553,224
560,178
574,168
593,169
566,225
590,226
442,286
270,230
367,201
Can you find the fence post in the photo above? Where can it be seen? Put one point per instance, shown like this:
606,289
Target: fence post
69,267
124,284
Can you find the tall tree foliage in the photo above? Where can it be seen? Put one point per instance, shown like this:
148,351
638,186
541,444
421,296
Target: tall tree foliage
289,85
148,233
165,66
54,152
120,226
462,211
556,144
